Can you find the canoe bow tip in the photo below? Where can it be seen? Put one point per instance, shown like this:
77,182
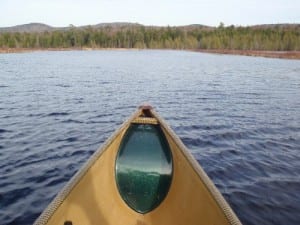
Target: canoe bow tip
145,106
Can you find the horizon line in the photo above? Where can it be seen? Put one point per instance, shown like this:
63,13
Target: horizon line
149,25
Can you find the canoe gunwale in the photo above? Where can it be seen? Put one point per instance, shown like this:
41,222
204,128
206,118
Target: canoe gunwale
67,189
135,118
222,203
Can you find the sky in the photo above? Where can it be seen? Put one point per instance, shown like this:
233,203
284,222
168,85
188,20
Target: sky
62,13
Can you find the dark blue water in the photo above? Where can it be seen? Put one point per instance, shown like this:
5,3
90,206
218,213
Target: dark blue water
239,116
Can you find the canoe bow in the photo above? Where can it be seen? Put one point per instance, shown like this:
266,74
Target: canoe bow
110,189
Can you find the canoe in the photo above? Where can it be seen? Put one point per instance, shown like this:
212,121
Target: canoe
142,175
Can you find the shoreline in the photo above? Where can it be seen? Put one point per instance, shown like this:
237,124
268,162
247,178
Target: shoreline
25,50
254,53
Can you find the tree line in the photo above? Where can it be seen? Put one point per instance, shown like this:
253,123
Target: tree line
273,38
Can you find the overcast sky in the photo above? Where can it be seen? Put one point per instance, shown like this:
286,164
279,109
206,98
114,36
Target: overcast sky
149,12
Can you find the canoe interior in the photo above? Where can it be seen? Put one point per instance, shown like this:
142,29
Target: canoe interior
143,168
93,195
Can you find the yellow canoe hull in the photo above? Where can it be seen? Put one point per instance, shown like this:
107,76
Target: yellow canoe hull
92,195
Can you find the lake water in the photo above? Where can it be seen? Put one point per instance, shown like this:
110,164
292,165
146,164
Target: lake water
239,116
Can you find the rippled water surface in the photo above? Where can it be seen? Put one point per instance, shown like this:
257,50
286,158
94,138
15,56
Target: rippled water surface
239,116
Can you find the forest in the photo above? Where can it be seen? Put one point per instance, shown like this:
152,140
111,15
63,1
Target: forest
266,38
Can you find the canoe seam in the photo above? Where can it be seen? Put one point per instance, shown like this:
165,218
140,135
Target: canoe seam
63,194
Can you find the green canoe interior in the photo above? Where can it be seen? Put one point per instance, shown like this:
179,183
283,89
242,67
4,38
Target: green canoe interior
178,192
144,167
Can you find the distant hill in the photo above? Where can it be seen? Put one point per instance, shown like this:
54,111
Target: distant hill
31,27
40,27
116,25
196,26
